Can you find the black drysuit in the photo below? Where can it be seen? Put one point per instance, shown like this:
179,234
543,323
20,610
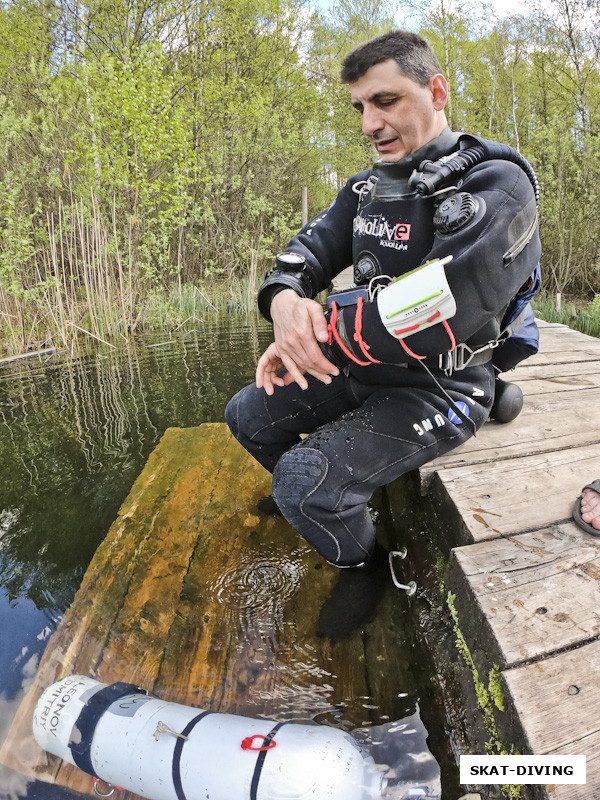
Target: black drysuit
376,422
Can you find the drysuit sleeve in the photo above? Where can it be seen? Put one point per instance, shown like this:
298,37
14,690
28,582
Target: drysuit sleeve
326,245
493,255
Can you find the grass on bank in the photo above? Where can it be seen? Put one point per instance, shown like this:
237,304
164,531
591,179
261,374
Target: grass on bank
35,323
577,314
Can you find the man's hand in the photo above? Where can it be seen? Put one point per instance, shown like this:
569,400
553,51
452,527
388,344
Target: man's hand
298,325
266,371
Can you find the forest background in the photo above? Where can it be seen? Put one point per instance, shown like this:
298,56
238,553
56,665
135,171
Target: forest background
153,153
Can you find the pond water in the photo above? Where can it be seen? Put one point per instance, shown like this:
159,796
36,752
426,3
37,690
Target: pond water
74,435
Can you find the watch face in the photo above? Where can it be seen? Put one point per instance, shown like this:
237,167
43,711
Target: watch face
290,261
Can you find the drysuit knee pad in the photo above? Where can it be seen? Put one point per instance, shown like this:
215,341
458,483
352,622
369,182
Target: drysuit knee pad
297,474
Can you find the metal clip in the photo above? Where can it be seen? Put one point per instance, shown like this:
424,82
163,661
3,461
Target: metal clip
411,587
163,728
96,783
445,363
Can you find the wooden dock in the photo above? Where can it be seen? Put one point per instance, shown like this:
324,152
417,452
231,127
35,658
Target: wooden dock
526,579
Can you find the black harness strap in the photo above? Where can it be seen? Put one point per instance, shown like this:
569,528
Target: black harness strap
261,760
176,770
89,717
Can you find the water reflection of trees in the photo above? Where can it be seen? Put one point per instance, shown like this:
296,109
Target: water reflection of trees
75,433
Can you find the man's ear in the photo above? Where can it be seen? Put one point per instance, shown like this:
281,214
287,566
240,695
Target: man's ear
439,90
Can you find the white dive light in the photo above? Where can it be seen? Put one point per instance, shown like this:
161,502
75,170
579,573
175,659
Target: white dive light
167,751
417,300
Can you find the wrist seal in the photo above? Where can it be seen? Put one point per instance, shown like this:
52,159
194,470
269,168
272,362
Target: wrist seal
289,272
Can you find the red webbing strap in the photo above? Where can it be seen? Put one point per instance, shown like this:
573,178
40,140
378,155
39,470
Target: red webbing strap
364,347
448,331
358,332
450,334
333,332
410,352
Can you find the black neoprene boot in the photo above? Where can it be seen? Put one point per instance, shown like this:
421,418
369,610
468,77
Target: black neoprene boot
355,597
508,401
268,506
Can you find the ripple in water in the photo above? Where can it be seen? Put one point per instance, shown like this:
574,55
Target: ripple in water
258,581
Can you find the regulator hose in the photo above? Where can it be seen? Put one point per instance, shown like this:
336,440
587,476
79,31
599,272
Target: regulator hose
435,174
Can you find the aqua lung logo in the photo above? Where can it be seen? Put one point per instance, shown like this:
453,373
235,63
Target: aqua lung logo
429,424
453,416
438,421
396,235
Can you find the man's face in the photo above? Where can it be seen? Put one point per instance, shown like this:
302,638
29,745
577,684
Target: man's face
398,115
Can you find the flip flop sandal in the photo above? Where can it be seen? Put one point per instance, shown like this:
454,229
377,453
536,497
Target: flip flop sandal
585,526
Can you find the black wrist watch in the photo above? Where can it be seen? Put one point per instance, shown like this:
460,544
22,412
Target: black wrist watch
290,262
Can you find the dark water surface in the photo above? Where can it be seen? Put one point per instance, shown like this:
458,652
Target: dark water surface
74,435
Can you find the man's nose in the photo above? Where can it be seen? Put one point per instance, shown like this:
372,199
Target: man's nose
371,121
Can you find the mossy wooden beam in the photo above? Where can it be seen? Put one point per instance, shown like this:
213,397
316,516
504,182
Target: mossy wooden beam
198,597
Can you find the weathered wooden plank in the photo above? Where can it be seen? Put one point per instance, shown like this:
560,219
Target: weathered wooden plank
196,596
558,704
529,595
552,334
568,354
559,337
547,423
579,370
526,582
515,495
553,383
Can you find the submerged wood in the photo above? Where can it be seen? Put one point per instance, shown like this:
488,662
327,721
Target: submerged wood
48,351
198,598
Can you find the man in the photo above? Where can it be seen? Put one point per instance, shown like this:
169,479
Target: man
376,396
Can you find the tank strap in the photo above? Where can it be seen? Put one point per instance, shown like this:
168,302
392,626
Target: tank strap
88,718
261,760
181,740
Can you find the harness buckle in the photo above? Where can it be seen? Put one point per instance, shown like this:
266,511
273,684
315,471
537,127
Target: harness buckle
462,356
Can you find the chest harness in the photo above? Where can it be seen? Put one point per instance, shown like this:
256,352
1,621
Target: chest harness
422,298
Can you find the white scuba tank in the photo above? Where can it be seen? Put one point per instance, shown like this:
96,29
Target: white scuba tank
167,751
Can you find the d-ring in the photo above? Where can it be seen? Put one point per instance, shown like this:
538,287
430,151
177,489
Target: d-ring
97,791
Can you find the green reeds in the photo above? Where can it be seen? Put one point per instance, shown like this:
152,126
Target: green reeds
85,283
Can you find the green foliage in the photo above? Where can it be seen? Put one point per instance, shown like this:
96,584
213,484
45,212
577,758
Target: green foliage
580,316
532,81
152,144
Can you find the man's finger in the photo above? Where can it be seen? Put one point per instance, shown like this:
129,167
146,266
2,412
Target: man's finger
294,371
319,323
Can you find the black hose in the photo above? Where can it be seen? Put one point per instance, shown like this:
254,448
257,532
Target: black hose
436,174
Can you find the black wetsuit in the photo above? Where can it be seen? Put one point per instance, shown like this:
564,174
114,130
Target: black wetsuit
374,423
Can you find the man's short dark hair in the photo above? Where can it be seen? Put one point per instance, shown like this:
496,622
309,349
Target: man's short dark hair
414,57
